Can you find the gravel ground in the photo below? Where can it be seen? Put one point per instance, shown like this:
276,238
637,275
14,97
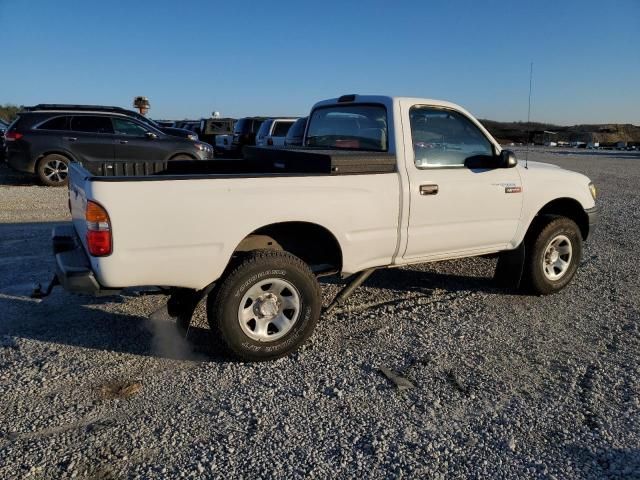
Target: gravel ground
505,385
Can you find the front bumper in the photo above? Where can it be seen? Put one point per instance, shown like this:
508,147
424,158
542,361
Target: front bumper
593,214
73,268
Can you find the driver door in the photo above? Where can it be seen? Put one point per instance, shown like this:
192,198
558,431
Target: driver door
455,210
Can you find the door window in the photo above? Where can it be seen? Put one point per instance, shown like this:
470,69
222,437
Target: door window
445,138
126,127
57,123
91,124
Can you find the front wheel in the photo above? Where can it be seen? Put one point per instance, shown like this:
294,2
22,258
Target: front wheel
266,306
553,256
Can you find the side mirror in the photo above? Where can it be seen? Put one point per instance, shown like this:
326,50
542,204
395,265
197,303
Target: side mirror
508,159
151,135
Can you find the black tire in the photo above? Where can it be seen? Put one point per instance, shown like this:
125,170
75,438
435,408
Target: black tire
53,170
182,156
547,230
256,268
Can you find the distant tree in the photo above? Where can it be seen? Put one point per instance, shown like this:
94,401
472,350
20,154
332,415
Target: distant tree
9,112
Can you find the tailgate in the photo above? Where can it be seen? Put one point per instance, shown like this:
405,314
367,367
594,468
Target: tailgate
78,186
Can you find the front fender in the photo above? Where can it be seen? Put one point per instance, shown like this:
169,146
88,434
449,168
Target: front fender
542,186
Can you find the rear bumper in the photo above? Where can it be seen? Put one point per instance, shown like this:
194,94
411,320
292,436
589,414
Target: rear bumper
73,268
19,160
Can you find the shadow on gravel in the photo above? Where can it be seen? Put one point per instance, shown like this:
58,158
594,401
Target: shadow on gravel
78,323
11,177
616,463
419,281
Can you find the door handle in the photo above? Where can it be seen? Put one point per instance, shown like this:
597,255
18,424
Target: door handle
428,189
124,141
71,139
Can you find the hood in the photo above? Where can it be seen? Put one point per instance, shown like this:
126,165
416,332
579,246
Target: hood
540,165
177,132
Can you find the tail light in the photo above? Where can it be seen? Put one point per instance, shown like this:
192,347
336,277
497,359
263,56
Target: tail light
12,136
270,141
98,230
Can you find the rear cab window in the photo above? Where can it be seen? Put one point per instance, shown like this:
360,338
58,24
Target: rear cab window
349,127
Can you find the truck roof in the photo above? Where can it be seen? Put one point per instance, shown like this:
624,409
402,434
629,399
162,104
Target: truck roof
387,101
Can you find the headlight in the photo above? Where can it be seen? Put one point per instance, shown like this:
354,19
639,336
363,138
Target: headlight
203,147
592,189
192,136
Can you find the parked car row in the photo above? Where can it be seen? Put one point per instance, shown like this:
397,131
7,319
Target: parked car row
267,132
44,139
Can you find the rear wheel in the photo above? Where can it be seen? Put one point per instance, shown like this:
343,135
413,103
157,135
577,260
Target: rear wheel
53,170
266,306
553,255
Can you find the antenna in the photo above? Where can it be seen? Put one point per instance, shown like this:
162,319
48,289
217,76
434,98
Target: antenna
526,155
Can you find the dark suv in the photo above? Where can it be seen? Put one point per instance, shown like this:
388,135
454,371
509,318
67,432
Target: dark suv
176,132
45,141
3,129
244,134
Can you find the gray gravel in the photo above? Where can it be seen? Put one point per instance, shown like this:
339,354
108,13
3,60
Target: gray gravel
503,385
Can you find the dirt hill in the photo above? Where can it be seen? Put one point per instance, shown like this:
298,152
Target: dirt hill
610,133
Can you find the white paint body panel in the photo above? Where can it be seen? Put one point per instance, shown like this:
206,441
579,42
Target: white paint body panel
183,232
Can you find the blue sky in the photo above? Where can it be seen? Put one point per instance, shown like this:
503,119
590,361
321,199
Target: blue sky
277,58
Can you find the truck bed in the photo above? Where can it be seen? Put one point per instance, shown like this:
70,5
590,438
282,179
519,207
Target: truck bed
257,162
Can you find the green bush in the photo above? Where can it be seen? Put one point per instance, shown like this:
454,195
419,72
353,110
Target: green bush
9,112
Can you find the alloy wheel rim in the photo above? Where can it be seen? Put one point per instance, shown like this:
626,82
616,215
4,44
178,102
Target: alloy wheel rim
269,309
56,171
557,257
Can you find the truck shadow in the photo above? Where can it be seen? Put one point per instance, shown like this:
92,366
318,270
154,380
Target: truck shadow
11,177
81,322
92,323
409,279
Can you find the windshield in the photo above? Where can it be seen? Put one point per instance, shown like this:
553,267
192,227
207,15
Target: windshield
350,127
144,119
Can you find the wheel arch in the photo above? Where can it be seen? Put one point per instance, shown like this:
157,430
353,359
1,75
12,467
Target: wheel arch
564,207
316,245
40,156
186,154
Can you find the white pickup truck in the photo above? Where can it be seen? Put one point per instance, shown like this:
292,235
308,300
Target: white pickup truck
380,182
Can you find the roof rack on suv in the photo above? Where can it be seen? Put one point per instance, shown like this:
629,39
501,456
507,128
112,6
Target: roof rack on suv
62,106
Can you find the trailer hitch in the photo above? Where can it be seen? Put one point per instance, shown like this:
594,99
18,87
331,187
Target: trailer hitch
37,289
